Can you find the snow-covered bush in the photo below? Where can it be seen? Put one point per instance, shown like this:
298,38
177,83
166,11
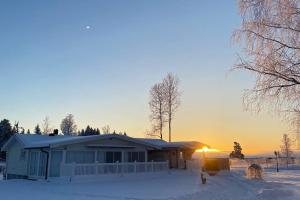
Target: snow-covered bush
254,171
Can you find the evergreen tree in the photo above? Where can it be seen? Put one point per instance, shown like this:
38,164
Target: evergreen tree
5,131
37,130
28,131
237,152
98,131
88,130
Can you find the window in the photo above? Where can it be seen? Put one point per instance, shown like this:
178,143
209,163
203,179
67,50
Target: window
138,156
80,157
101,157
22,155
112,157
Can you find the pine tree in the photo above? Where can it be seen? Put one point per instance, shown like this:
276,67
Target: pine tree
5,131
237,152
98,131
37,130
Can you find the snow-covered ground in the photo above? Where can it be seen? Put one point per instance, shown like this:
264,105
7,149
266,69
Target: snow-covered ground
179,185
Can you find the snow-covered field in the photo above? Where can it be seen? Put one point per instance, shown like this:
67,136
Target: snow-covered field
179,185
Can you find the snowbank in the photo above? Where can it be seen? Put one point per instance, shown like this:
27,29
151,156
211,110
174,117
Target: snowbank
179,185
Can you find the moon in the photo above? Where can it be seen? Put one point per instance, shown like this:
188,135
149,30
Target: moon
87,27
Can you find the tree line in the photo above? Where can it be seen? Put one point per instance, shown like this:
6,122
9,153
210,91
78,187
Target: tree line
67,126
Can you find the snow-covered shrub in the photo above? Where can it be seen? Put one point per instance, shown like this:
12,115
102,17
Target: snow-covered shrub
254,171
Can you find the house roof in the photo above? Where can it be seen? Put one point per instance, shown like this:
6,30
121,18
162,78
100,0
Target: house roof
183,145
44,141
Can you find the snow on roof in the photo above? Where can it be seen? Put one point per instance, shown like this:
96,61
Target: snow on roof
40,141
185,144
158,142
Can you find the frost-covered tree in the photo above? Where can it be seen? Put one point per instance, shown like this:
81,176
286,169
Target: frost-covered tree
270,35
172,99
46,126
157,105
164,102
68,125
106,129
237,151
286,148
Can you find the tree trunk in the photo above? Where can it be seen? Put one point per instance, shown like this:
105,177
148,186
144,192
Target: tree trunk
170,120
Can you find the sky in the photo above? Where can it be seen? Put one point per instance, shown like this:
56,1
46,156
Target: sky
98,59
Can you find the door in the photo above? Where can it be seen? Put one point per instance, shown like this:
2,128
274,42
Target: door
37,164
56,159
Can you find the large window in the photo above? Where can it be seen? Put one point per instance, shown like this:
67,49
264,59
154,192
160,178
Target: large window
80,157
37,164
113,156
138,156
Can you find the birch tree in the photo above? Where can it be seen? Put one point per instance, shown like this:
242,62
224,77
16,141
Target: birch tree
286,148
46,126
68,125
172,99
106,129
270,35
157,105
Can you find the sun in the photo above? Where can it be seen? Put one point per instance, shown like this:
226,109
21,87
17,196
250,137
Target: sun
206,149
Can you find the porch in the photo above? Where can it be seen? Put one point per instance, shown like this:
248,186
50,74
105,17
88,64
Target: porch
71,163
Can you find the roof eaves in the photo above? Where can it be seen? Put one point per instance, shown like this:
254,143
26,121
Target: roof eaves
15,136
87,139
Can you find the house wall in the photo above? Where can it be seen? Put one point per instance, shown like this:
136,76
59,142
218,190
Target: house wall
16,165
177,157
85,147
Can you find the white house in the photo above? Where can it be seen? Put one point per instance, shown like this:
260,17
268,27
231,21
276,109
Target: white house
43,157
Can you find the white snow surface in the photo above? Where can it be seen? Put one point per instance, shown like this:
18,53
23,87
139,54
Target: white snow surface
178,185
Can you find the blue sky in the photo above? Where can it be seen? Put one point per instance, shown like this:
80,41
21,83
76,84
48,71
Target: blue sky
52,64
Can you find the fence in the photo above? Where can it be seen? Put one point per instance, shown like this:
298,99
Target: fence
112,168
194,165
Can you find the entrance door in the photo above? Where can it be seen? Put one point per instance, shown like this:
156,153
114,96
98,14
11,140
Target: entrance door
173,159
37,164
56,159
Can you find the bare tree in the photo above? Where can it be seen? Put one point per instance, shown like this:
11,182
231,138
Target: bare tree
68,125
172,98
46,129
270,33
286,148
157,105
106,129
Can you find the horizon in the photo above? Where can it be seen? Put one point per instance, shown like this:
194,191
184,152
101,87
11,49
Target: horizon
98,60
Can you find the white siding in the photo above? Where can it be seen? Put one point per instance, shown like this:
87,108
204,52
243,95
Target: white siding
15,165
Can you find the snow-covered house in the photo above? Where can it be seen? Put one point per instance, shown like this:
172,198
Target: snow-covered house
43,157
